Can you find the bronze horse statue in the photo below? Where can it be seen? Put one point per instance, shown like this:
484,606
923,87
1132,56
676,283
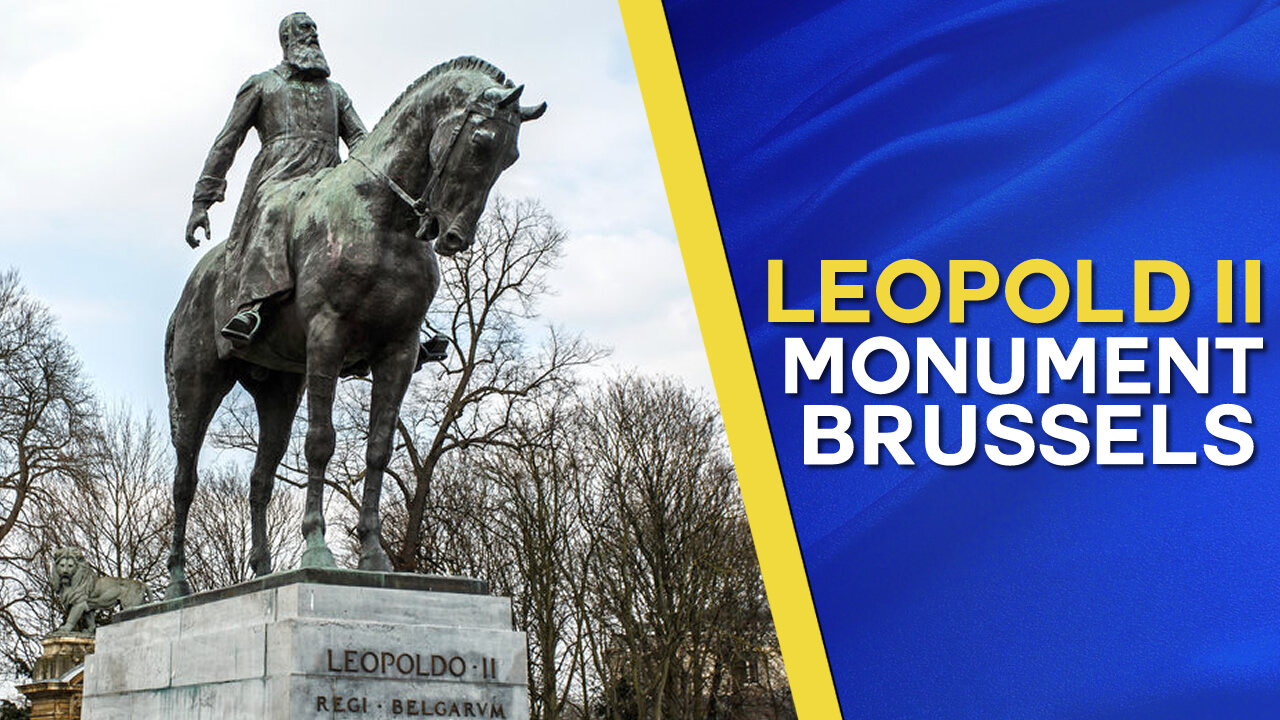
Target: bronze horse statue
365,272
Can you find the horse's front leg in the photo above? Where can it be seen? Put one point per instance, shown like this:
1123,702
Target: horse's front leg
324,361
391,376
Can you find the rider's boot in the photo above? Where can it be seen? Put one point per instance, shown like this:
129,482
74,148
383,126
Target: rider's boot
435,348
244,325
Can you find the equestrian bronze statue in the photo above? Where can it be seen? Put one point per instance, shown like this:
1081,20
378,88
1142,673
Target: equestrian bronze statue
361,240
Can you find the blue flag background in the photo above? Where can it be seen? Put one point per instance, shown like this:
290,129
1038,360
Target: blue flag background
1065,130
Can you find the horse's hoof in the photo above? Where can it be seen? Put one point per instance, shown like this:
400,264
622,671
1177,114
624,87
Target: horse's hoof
376,561
318,557
177,590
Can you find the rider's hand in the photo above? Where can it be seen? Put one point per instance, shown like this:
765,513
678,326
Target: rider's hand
199,219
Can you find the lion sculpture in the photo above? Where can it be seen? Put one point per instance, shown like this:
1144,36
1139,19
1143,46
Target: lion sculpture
83,592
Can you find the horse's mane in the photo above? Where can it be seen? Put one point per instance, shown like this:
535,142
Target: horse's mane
466,62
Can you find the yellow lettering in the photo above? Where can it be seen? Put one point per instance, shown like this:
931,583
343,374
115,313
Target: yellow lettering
1142,272
1061,291
1085,311
1226,286
960,294
778,313
1253,291
932,291
833,291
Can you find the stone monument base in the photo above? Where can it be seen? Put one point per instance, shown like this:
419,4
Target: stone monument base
313,644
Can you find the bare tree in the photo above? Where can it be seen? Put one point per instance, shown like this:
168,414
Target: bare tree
670,552
116,511
537,481
746,678
219,530
46,415
488,297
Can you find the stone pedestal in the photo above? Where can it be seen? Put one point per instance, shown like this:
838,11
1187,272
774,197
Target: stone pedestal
314,644
54,690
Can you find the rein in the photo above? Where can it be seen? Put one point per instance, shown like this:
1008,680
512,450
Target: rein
421,207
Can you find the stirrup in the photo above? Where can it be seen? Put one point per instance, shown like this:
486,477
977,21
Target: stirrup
434,349
243,326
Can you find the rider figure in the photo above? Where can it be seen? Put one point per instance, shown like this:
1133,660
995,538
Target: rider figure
299,115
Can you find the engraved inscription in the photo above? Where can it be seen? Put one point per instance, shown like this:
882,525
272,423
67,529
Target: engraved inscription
409,665
445,708
339,704
412,707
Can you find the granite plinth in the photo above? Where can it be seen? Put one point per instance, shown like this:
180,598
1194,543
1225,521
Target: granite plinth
367,645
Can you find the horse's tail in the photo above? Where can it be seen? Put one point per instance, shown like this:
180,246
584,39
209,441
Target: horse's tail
190,320
168,370
168,342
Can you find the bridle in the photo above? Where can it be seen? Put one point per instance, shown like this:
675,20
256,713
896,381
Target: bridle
421,207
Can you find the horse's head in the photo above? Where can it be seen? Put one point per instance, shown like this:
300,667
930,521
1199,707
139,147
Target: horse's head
470,147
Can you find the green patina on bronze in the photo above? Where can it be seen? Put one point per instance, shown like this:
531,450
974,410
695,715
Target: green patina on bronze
345,256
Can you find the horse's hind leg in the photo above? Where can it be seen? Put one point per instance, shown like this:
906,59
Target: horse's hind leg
390,380
193,399
277,398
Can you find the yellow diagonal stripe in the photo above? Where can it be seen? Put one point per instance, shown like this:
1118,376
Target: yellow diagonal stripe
727,351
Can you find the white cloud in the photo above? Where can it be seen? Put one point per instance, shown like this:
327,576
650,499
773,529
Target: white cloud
630,291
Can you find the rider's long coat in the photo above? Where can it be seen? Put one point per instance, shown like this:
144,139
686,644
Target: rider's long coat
299,120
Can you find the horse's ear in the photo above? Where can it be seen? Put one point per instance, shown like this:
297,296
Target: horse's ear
513,97
503,97
532,113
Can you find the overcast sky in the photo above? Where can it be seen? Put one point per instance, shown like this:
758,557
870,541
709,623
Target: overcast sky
109,109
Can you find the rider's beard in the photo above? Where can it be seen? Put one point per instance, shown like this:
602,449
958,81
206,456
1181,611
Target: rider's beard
307,59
